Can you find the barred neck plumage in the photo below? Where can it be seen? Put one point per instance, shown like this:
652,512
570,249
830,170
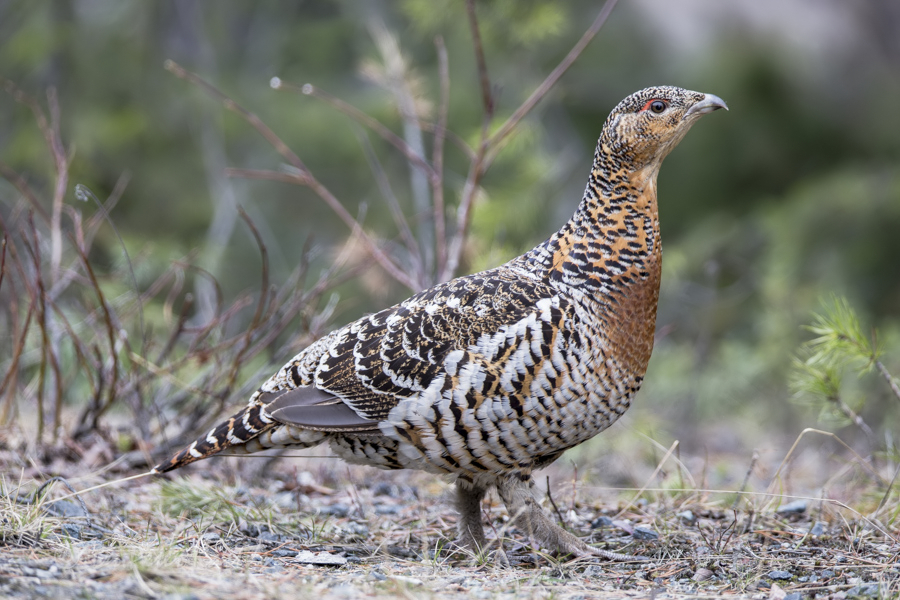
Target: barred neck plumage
611,243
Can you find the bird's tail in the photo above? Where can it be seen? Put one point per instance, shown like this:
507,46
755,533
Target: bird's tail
234,433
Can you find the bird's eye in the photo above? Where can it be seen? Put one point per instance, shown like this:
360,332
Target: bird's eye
658,106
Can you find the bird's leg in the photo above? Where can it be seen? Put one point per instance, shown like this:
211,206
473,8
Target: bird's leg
519,496
470,532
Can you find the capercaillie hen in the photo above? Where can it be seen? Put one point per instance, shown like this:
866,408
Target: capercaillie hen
490,376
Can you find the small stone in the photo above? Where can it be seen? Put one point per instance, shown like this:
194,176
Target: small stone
779,575
818,528
64,508
686,515
210,538
386,509
377,576
284,553
827,573
803,579
345,590
319,558
601,521
408,580
593,571
794,596
338,510
357,529
644,533
795,507
869,590
268,536
702,574
72,530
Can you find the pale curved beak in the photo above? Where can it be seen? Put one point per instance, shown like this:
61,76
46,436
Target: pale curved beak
709,103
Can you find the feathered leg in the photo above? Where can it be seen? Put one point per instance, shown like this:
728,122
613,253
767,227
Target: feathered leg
522,505
470,531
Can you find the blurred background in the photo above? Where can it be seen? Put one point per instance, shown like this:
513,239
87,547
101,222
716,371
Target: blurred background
767,209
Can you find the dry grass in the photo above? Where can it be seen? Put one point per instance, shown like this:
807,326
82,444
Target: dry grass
231,528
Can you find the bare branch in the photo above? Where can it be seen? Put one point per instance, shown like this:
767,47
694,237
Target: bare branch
487,100
890,379
54,141
550,81
309,181
437,159
489,146
248,116
384,186
363,119
303,177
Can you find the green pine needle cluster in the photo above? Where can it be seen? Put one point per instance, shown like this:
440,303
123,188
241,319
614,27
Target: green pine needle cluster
821,363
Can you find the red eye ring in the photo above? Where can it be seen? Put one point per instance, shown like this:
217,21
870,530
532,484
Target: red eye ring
656,105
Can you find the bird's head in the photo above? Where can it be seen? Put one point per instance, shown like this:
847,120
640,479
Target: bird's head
648,124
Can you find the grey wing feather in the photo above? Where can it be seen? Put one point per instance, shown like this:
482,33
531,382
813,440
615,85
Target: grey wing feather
312,408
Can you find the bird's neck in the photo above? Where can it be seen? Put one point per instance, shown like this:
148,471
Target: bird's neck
610,248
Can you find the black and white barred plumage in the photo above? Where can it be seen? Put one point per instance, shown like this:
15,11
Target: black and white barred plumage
490,376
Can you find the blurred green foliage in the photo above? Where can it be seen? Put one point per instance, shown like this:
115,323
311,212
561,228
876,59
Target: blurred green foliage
793,194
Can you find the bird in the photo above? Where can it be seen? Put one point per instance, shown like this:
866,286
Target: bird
490,376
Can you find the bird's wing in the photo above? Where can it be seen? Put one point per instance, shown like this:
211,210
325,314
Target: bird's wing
366,368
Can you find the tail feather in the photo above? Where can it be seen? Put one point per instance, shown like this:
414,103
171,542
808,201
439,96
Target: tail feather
244,426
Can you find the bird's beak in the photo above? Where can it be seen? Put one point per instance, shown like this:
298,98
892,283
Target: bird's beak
709,103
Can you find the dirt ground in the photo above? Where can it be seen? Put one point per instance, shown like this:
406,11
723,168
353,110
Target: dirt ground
320,529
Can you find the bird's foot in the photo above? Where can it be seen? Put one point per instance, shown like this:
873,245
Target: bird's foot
518,495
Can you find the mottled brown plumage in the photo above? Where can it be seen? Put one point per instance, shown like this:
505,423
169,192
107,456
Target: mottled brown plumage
493,375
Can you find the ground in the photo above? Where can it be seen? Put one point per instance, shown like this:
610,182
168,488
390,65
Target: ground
314,527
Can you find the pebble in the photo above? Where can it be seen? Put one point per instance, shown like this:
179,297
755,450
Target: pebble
268,536
284,553
793,596
357,529
64,508
779,575
72,530
338,510
797,506
408,580
644,533
319,558
593,571
869,589
818,528
601,522
827,573
686,515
